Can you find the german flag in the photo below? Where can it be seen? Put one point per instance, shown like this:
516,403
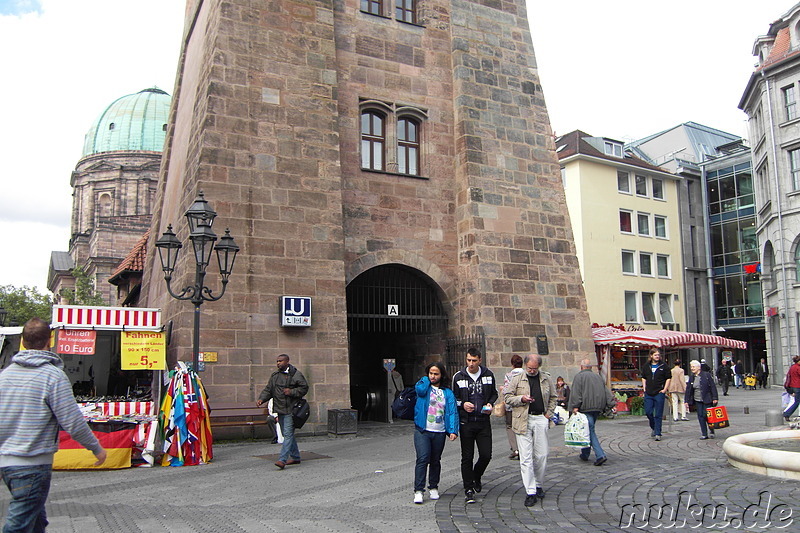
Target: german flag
115,437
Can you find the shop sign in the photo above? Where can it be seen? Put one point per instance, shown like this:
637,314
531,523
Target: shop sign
76,341
296,311
208,357
143,350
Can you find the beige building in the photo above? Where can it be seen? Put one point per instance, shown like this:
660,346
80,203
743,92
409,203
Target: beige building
625,219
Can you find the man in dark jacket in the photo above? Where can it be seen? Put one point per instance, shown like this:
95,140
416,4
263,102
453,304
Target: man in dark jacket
725,375
591,397
762,373
286,385
702,393
655,381
476,393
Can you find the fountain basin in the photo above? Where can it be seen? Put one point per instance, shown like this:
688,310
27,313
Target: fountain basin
768,462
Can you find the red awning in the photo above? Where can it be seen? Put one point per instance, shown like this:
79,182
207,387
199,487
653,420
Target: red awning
663,338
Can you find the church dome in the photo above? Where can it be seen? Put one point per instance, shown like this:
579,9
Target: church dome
133,122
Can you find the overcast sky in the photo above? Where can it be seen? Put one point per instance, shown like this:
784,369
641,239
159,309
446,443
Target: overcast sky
622,69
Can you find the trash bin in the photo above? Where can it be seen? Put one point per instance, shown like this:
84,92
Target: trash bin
342,421
774,418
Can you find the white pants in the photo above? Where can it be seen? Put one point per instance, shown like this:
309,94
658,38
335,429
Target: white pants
533,449
677,404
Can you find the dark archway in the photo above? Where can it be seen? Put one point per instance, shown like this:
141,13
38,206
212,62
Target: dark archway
393,312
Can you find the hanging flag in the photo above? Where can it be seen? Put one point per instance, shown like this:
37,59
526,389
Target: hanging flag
183,420
752,268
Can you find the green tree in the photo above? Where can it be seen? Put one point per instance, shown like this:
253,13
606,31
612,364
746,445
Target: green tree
24,303
83,293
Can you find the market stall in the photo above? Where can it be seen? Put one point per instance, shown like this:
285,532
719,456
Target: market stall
622,354
110,354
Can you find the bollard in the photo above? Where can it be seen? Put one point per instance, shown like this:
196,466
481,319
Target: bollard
747,410
774,418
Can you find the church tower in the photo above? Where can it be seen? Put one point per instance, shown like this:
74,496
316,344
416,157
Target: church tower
390,159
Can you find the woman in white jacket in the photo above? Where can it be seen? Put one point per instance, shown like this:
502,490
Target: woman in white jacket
516,364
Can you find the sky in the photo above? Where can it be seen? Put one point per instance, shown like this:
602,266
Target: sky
622,69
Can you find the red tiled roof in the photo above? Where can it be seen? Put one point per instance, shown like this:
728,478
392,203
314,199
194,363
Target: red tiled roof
134,262
781,49
574,143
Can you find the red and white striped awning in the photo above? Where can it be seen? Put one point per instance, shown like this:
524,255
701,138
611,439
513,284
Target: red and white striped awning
663,338
106,318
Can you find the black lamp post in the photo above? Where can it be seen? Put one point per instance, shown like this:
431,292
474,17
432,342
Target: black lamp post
3,315
200,217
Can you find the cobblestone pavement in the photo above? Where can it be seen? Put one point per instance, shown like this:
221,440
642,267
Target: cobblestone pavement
364,484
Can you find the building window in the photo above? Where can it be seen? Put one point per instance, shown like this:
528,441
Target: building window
628,262
625,224
662,265
371,6
406,11
643,221
408,146
373,139
665,308
794,168
645,264
631,312
658,189
641,185
611,148
789,102
648,307
797,263
660,226
623,182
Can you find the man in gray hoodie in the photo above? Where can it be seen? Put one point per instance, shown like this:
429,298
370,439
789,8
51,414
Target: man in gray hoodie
590,396
35,399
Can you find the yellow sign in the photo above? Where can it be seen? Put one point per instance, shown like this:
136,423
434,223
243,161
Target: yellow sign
208,357
143,350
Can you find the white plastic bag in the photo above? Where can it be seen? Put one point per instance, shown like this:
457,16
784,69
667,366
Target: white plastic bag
786,400
561,415
576,431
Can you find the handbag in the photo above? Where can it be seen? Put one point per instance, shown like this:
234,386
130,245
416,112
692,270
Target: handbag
300,413
499,409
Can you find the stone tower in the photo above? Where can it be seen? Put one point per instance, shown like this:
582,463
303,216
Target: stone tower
114,186
369,154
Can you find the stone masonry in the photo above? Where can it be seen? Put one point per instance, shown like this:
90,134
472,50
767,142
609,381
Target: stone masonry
266,121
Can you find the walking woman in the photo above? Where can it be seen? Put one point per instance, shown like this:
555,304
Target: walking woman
435,420
516,368
702,393
677,388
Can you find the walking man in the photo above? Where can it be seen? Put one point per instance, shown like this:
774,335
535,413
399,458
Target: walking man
724,375
591,397
35,400
286,385
532,397
476,392
655,382
738,374
435,419
762,373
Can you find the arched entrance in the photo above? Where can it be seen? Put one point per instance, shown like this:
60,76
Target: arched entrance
393,312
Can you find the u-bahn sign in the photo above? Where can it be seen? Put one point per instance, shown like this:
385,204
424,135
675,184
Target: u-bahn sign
295,311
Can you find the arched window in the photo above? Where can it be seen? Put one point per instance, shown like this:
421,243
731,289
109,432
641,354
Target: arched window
797,262
105,205
373,140
408,146
768,267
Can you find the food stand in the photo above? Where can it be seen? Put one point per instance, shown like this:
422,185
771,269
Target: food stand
109,355
621,354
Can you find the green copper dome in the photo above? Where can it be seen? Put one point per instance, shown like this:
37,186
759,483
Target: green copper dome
133,122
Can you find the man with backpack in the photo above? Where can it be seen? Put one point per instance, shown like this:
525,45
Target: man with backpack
476,393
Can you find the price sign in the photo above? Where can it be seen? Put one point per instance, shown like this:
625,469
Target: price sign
76,341
143,350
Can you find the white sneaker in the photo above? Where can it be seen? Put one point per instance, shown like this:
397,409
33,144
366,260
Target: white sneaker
418,496
434,494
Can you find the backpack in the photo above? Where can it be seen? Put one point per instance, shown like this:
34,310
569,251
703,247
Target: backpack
403,405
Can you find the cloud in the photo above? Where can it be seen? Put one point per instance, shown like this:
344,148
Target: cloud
19,7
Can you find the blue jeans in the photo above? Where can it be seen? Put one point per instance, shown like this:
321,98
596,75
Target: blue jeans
795,401
595,442
289,448
429,446
29,486
654,409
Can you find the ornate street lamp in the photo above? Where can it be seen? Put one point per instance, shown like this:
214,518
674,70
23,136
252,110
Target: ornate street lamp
200,217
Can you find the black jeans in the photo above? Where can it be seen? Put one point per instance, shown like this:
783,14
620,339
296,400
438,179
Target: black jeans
702,417
470,434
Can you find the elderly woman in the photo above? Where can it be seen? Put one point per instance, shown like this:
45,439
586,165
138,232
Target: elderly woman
702,393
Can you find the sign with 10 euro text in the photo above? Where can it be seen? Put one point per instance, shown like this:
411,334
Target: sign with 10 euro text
143,350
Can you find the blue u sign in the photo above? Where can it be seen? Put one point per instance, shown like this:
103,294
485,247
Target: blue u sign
296,311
